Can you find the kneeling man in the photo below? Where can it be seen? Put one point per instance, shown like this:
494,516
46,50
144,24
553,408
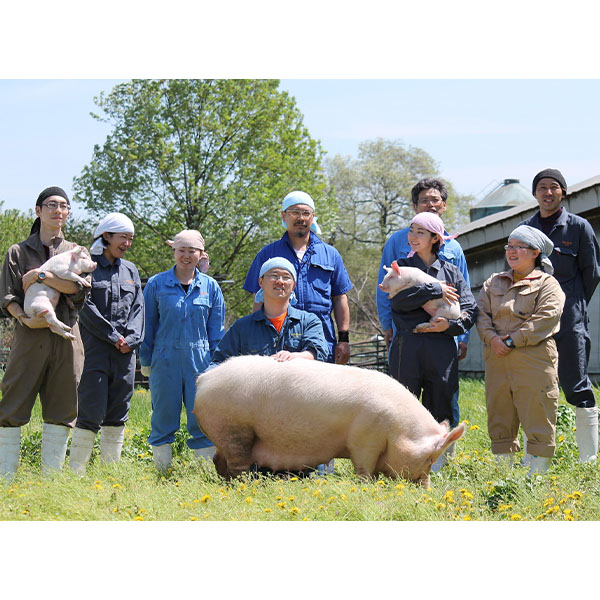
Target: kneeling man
277,329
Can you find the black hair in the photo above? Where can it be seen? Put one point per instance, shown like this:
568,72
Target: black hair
45,194
428,183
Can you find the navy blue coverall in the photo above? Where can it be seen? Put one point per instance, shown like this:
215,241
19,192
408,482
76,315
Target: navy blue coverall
114,308
428,362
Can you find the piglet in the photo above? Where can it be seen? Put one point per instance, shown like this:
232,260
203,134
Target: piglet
289,416
41,299
399,278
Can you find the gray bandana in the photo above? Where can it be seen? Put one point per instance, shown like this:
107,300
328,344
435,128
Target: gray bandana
538,240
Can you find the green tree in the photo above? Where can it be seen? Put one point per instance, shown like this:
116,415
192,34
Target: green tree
212,155
374,201
14,227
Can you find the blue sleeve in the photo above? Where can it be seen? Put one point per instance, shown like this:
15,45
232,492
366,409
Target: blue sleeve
228,346
461,263
134,330
96,324
414,297
251,283
468,308
384,310
313,338
588,260
151,325
340,283
215,327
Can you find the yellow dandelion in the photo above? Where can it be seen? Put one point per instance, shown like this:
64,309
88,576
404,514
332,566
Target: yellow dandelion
548,501
474,428
504,507
249,500
449,496
196,501
344,497
117,486
138,518
466,518
205,498
317,493
281,505
268,510
440,505
98,486
516,517
291,499
380,482
577,495
293,479
352,489
294,510
465,421
399,486
194,519
561,438
278,498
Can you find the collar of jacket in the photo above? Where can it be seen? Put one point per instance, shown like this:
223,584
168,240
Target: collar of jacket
292,313
104,262
533,276
173,281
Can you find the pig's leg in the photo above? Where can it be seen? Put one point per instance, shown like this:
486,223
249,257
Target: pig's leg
237,443
57,326
365,448
221,465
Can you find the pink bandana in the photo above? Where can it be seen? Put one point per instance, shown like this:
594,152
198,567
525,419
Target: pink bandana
433,223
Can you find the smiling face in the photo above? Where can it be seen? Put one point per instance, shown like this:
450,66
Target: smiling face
277,284
117,245
421,240
549,195
520,257
298,219
187,258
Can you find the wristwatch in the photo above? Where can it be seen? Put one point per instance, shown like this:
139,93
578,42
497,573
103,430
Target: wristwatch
41,276
509,342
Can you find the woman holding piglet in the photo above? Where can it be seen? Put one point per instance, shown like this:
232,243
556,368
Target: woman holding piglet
40,361
425,358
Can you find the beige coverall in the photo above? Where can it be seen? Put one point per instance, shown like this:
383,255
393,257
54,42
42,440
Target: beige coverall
521,387
40,361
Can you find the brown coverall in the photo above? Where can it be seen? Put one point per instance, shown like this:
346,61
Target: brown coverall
40,361
521,387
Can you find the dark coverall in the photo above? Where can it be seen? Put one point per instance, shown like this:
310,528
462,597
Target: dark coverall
114,308
428,362
576,261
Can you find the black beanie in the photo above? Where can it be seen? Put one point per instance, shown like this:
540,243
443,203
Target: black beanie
552,174
52,191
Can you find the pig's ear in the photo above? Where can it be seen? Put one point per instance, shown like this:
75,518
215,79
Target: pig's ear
396,267
77,249
387,269
451,437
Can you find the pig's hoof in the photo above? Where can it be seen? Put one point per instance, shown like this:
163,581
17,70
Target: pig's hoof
422,326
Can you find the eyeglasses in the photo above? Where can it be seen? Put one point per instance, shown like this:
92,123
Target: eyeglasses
305,214
52,205
285,278
507,247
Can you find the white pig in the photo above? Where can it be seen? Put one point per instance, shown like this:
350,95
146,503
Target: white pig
41,300
399,278
302,413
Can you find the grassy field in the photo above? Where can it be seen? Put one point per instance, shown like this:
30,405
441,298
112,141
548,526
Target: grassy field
471,487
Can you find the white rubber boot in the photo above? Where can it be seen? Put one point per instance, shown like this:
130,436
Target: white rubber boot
526,457
54,447
506,460
586,433
82,442
205,453
111,443
162,456
539,464
10,445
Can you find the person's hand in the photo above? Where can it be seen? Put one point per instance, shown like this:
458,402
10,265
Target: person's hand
449,294
29,278
462,350
122,346
145,371
499,347
283,356
342,353
388,335
436,325
37,322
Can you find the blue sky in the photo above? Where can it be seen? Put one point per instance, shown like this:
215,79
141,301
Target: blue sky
479,130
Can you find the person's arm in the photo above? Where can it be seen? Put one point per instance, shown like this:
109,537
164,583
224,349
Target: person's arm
341,314
313,338
136,319
63,286
215,326
19,314
468,307
96,324
461,263
588,260
151,323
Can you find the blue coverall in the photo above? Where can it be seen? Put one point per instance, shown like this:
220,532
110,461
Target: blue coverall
114,308
182,331
321,276
255,334
428,362
576,262
397,247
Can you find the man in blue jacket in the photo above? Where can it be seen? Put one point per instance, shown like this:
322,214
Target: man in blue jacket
322,277
576,262
276,329
428,195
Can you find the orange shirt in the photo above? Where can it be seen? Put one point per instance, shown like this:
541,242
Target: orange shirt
278,321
